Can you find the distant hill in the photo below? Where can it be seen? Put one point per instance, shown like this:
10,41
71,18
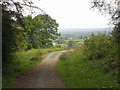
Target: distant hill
85,30
78,33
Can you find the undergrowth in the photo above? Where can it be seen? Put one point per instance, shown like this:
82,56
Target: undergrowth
93,65
78,72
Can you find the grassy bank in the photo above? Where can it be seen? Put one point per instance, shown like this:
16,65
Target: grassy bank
23,61
79,72
94,64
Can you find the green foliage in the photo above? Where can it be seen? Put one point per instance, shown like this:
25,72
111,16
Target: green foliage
116,34
70,43
99,46
74,43
64,46
12,35
104,47
93,65
37,33
41,30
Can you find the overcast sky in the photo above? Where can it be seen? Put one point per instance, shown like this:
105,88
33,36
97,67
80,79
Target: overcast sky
73,13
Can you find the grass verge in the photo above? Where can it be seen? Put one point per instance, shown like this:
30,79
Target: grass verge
79,72
23,61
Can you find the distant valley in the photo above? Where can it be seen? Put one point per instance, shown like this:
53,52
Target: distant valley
82,33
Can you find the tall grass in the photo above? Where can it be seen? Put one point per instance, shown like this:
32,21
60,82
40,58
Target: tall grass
79,72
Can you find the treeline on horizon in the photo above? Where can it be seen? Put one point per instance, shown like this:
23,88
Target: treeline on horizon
82,33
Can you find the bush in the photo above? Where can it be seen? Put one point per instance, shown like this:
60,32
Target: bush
101,46
93,65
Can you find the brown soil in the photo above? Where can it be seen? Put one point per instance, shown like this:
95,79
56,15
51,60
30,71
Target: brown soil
44,75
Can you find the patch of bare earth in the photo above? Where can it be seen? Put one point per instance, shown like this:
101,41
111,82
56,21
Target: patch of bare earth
44,75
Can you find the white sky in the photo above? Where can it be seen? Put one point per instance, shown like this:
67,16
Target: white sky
73,13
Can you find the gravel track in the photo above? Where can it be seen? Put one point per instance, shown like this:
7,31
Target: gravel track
44,75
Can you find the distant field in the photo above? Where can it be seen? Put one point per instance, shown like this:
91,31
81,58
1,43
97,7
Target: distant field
81,33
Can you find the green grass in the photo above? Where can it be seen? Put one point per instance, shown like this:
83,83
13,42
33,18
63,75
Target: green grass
79,72
23,61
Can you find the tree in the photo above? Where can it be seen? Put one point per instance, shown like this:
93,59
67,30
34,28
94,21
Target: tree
18,8
111,7
16,33
12,19
70,43
47,28
41,30
12,35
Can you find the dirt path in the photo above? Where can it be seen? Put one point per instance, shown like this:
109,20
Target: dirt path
44,75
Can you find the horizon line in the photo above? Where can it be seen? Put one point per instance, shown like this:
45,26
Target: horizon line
87,28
